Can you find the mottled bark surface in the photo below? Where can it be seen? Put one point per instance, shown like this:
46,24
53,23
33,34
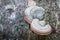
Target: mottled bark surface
19,29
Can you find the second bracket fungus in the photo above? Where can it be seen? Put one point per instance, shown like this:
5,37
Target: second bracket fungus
40,27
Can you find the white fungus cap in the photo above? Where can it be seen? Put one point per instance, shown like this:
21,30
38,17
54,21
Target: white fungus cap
36,23
35,11
38,12
40,28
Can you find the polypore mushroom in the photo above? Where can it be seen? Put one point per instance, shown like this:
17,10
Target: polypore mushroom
33,12
40,27
31,3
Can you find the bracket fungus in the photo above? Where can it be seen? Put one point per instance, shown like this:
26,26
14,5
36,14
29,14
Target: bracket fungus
40,27
34,15
33,12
